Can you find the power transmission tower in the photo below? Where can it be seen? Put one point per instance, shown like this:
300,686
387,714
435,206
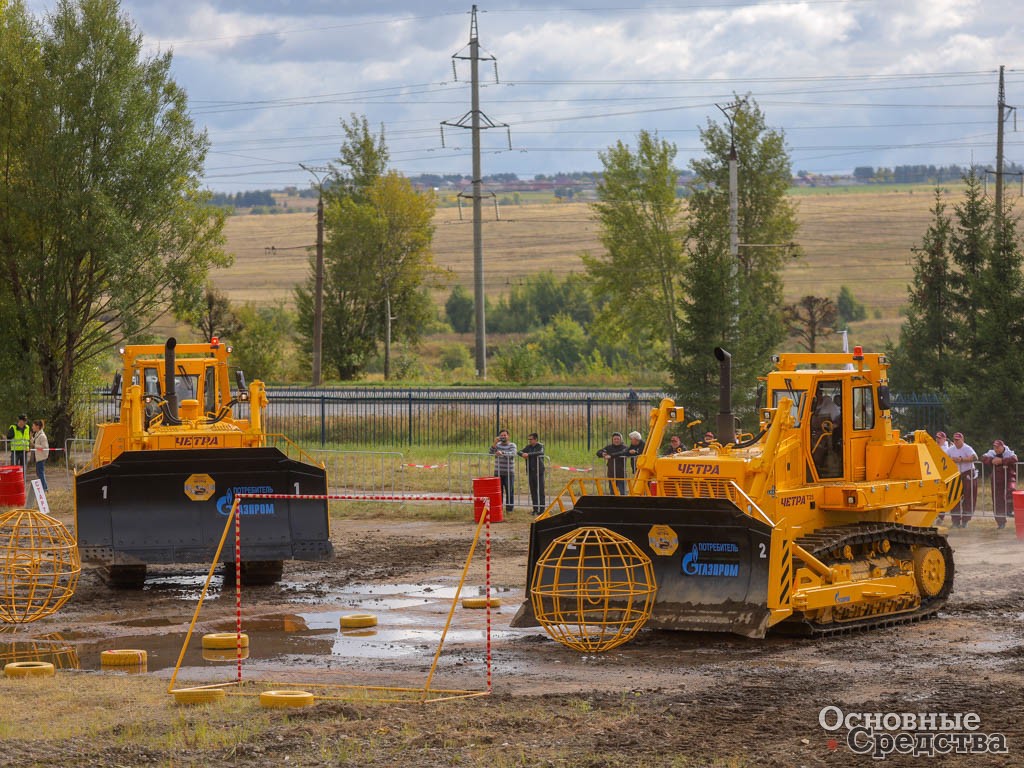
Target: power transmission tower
475,120
318,282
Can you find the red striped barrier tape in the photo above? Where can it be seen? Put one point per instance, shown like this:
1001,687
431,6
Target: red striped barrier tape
575,469
427,466
361,496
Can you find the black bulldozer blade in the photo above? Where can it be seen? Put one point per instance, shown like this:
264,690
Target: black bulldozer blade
171,507
710,560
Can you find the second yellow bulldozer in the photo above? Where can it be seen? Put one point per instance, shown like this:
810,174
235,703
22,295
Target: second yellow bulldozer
820,522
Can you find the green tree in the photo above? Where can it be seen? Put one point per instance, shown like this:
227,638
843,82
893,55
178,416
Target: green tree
260,348
459,309
735,303
848,308
214,315
964,332
810,320
377,258
924,359
988,303
642,231
102,224
563,344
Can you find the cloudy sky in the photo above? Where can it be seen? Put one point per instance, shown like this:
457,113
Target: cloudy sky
850,82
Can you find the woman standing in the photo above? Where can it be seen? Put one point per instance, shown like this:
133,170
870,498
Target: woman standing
41,448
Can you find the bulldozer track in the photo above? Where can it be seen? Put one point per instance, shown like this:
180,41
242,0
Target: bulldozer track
826,545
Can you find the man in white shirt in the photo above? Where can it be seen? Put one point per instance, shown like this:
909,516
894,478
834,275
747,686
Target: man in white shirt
964,456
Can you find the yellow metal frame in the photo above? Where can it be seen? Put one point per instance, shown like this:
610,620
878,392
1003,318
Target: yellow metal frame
593,589
39,566
335,692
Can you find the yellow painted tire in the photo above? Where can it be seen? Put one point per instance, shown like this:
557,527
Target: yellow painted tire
125,657
480,602
199,696
357,621
219,654
279,699
224,641
29,669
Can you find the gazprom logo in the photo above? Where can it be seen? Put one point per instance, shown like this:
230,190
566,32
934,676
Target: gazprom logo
704,559
249,506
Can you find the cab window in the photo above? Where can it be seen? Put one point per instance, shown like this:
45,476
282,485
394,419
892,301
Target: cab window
795,395
863,408
210,390
185,386
151,379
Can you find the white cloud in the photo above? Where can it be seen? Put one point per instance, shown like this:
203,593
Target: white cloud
261,75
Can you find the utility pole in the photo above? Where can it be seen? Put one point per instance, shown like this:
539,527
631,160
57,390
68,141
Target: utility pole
1004,114
475,120
318,282
730,110
999,159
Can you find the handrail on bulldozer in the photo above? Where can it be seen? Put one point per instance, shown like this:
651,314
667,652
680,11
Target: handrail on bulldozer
291,449
601,486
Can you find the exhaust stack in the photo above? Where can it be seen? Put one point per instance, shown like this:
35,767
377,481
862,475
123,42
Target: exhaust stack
726,420
170,363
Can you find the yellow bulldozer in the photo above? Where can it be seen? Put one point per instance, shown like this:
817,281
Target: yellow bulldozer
163,477
820,522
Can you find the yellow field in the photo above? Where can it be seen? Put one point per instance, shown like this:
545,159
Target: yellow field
861,238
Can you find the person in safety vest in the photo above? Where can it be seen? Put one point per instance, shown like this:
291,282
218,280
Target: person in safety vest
18,437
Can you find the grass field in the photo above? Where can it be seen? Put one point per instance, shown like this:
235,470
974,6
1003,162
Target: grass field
858,236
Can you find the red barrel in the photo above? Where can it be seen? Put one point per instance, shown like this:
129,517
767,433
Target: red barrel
491,488
12,486
1018,513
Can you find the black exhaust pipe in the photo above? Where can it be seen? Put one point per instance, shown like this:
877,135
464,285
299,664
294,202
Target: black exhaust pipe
170,391
726,421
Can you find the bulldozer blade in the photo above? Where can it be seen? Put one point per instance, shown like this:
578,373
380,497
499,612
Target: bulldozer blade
170,506
710,560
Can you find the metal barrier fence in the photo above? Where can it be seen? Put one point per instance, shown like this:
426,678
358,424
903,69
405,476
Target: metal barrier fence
79,453
396,418
364,471
463,467
393,419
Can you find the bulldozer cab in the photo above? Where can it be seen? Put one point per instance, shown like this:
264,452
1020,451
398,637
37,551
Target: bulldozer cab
833,409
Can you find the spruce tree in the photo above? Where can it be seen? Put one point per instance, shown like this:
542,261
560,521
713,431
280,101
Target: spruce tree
737,306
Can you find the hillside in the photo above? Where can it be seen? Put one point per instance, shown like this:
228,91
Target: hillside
860,237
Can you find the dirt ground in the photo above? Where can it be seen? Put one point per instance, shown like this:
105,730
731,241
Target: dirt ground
664,699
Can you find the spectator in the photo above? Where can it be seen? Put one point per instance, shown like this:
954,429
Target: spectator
614,455
19,437
504,452
41,448
534,455
634,449
675,445
964,456
1004,480
709,438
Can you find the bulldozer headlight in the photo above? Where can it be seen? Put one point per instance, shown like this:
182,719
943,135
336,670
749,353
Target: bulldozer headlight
243,397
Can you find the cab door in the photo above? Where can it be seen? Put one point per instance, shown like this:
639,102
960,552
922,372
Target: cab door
827,430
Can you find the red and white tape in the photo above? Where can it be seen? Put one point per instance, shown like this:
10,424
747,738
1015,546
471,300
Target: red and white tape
575,469
427,466
360,496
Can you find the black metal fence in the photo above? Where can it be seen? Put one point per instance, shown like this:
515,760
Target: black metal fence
396,418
